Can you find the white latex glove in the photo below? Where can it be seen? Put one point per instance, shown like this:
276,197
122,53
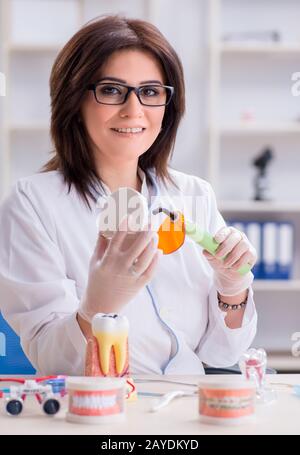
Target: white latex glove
235,246
118,269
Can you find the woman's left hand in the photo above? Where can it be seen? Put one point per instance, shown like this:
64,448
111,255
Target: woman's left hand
237,251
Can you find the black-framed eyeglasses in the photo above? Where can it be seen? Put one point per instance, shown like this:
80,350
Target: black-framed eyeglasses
117,93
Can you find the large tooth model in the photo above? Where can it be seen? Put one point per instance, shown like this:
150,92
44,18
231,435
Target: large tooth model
107,350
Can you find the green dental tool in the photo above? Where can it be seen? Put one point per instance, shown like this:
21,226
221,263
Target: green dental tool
197,234
208,243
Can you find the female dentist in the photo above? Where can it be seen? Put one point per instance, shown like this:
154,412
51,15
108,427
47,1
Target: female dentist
117,98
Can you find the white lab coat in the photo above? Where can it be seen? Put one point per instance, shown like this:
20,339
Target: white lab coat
47,239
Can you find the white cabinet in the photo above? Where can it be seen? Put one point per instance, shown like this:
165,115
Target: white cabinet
251,107
32,33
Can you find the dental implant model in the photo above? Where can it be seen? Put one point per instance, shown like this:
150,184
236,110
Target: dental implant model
107,350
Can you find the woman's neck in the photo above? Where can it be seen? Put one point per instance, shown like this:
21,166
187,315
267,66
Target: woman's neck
115,178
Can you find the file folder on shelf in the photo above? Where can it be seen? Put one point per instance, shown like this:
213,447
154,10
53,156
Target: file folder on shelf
274,243
269,251
253,232
285,250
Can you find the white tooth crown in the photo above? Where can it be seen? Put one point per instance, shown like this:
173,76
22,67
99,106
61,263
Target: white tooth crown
111,332
109,323
129,130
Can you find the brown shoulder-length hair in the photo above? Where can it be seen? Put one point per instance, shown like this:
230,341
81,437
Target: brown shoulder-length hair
76,67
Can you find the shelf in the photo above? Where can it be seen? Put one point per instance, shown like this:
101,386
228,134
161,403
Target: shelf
283,361
277,285
256,128
15,48
28,128
259,206
257,48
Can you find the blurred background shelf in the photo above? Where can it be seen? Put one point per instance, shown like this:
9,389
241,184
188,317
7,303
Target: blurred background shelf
277,285
34,48
34,127
251,48
250,108
253,207
284,362
260,129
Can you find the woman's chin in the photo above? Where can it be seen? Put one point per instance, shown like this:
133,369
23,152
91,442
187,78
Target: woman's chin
127,154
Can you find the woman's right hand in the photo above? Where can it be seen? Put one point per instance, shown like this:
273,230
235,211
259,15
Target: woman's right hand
117,273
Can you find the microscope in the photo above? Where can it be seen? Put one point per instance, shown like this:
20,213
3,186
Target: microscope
261,182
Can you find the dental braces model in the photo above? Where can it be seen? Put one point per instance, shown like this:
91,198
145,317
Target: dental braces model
45,389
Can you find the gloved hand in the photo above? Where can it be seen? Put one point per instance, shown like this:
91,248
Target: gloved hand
118,269
238,251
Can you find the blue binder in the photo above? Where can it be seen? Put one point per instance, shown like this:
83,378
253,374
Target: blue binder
286,249
12,357
270,250
275,244
253,230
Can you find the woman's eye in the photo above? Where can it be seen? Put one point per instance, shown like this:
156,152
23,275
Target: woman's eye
110,90
149,91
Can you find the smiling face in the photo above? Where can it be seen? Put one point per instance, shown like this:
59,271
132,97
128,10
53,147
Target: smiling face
132,67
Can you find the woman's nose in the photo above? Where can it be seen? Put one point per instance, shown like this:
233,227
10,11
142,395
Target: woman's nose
132,107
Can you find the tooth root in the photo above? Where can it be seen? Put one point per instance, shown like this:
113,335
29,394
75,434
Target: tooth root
104,349
120,349
105,344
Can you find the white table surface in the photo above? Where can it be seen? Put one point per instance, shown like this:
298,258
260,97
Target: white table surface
180,417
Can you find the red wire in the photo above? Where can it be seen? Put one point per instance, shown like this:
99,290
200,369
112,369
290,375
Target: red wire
132,388
38,397
46,378
20,381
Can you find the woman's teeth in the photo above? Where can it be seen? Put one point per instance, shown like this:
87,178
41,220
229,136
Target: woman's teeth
128,130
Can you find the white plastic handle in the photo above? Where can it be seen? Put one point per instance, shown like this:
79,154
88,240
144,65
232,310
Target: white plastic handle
165,399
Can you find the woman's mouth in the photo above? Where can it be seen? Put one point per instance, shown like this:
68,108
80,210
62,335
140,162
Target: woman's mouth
128,132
